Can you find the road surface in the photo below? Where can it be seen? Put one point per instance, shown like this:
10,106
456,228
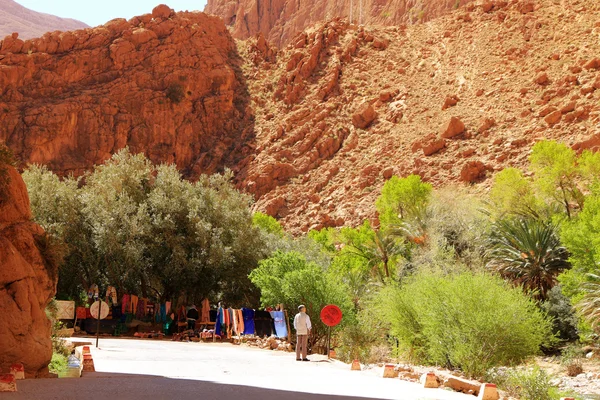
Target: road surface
158,369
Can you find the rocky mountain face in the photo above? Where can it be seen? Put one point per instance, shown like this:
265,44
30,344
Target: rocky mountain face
163,83
27,281
343,108
312,130
281,20
29,24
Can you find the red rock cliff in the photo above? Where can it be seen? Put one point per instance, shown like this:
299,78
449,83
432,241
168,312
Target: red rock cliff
164,84
281,20
27,281
344,107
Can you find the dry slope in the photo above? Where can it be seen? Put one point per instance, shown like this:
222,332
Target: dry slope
342,108
29,24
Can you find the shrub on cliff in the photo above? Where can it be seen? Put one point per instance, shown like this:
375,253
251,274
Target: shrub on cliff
466,320
6,158
175,93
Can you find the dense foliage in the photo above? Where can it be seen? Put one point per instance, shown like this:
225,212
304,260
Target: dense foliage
289,278
465,320
447,276
144,229
528,252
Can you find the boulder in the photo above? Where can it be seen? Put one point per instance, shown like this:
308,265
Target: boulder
162,11
542,79
553,118
450,101
593,64
454,128
473,171
433,146
486,124
27,282
593,143
364,115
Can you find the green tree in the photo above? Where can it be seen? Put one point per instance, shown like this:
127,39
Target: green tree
402,199
289,278
581,236
380,250
268,224
556,174
145,230
589,306
512,193
528,252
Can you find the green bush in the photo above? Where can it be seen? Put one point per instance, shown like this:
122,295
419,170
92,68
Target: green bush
471,321
58,364
559,308
572,359
524,384
59,347
268,224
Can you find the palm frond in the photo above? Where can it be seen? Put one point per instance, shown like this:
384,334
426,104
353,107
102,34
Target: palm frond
528,252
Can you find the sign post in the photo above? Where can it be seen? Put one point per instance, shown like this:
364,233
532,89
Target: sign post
331,315
99,310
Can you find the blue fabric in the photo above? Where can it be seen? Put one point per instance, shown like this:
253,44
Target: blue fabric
219,321
280,325
248,314
163,312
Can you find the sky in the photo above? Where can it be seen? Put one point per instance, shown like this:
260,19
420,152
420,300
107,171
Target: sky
98,12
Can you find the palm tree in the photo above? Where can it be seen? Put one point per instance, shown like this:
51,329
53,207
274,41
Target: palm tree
528,252
589,306
379,251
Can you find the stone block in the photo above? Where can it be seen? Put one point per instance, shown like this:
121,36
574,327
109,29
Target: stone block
18,370
8,383
389,371
430,381
488,391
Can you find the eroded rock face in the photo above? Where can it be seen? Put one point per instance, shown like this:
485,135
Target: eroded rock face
165,84
450,116
27,283
281,20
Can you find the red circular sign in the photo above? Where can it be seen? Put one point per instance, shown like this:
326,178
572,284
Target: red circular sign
331,315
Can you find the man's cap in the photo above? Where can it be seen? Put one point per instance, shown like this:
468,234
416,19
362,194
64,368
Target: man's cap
301,306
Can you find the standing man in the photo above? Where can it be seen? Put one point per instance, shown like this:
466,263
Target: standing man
192,317
303,326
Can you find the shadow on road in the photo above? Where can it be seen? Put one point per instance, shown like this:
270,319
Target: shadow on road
111,386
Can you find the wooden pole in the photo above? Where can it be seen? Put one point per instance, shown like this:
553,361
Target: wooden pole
98,325
329,343
287,321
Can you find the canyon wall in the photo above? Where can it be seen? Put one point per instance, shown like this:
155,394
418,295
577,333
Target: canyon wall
28,279
165,84
280,20
343,107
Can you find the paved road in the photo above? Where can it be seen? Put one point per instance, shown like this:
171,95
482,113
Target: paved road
151,369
